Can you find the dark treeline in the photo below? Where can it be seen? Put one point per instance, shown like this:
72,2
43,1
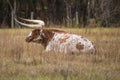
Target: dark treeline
104,13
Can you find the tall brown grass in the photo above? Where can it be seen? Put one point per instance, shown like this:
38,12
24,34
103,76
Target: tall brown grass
21,60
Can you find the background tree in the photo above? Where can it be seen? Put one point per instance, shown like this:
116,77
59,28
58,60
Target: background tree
66,12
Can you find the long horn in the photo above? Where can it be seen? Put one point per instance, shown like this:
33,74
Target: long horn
38,23
33,21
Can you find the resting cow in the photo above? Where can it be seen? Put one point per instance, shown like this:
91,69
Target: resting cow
57,41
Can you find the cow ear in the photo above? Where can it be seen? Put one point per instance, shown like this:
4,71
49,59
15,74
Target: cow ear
42,33
41,30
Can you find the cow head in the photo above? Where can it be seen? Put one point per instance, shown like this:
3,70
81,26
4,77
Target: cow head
36,35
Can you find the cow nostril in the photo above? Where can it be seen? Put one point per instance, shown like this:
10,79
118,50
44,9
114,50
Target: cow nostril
27,40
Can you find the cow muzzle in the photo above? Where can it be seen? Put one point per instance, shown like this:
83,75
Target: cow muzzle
28,39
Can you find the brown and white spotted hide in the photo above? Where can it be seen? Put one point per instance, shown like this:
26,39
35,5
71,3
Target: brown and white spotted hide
61,42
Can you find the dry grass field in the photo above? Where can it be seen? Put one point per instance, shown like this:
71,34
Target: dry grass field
26,61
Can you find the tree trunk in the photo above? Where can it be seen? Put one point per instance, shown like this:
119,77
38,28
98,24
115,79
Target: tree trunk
12,19
77,21
68,13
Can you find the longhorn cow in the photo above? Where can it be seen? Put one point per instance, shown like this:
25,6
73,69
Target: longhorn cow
59,41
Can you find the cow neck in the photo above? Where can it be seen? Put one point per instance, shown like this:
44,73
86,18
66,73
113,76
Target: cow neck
48,35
